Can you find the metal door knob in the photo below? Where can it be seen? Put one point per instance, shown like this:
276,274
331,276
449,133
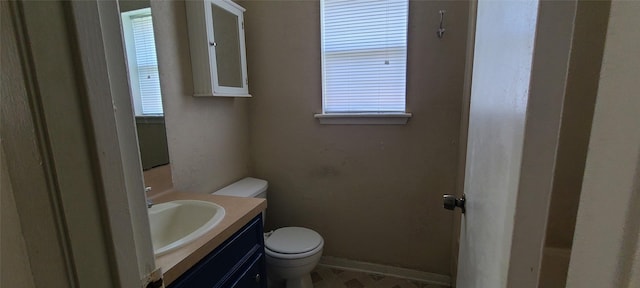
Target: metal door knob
451,202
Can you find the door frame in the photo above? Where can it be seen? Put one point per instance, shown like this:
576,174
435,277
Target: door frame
606,245
547,92
103,60
464,133
69,140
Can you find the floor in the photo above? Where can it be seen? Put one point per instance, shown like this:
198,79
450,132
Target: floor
325,277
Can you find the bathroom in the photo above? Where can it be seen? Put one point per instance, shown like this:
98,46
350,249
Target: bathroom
372,191
334,179
327,177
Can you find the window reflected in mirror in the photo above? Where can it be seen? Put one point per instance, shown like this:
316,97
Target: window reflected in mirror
142,64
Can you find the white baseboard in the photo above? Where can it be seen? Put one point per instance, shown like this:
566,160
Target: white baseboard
346,264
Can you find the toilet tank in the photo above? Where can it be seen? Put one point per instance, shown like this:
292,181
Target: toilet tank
248,187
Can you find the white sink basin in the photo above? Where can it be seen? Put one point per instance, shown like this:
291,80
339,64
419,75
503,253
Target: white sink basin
177,223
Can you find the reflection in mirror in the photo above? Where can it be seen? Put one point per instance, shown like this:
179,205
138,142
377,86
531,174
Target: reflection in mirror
226,34
142,63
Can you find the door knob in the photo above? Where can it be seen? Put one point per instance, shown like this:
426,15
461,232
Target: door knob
451,202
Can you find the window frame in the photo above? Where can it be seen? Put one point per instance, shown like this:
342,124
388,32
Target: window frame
357,118
131,59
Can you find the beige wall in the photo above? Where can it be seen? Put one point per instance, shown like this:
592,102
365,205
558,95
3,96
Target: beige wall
582,86
26,189
14,261
15,270
208,137
373,192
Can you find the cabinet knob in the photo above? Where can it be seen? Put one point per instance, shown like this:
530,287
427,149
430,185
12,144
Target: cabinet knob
258,278
213,44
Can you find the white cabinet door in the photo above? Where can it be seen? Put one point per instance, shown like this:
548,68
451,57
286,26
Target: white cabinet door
217,48
227,56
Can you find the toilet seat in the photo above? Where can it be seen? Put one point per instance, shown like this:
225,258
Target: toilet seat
293,243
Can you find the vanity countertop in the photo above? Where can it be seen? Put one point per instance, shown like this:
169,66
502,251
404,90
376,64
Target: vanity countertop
238,212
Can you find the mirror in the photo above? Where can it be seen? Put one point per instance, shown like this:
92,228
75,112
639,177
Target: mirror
227,41
142,64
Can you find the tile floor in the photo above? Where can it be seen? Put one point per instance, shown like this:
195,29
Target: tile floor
325,277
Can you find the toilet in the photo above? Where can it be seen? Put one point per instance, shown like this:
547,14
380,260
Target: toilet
291,252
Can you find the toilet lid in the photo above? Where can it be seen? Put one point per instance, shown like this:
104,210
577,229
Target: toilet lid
293,240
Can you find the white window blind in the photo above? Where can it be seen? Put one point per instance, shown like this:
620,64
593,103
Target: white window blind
147,62
364,53
147,96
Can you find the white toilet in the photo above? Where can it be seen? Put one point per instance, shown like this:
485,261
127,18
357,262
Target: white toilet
291,252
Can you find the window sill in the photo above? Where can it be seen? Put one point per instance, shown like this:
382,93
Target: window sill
150,119
363,118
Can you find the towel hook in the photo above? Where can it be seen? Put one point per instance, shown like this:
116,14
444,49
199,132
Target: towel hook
441,29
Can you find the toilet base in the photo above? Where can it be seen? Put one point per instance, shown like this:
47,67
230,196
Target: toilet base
302,282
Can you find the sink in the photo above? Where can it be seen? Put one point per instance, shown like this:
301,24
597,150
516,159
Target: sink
177,223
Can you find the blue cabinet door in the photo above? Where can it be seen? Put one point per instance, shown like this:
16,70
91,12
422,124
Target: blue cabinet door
237,262
253,275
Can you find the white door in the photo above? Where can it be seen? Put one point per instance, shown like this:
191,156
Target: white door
514,116
499,94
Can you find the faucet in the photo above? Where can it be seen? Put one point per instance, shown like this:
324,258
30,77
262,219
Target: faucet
146,191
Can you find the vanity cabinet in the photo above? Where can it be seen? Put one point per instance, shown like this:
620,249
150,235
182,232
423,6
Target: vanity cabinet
237,262
216,42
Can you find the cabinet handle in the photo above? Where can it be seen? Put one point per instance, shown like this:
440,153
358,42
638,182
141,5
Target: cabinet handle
213,44
257,278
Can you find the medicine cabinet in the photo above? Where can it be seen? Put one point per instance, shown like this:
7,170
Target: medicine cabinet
216,41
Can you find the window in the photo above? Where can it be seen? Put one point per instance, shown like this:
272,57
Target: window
142,62
364,57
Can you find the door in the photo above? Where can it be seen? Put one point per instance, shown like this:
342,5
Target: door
514,118
497,113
